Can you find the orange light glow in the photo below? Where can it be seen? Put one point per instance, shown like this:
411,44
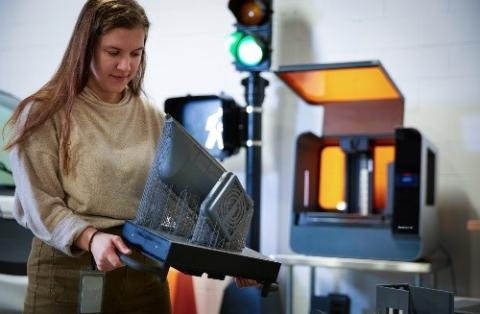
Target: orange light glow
332,178
323,86
382,156
252,13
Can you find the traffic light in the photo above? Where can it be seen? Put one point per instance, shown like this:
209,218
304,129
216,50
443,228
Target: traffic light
216,122
250,44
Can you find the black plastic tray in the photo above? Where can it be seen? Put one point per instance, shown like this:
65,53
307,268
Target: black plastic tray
196,260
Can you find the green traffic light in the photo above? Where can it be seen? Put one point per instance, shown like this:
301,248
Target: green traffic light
232,43
250,51
246,49
250,44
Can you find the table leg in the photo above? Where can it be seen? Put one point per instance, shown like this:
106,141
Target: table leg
312,286
418,280
289,290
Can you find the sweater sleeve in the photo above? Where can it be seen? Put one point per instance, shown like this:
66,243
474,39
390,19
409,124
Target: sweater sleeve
39,196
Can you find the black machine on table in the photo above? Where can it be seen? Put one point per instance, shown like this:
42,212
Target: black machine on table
364,188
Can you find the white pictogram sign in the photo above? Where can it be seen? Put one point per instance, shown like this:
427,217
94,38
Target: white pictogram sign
214,126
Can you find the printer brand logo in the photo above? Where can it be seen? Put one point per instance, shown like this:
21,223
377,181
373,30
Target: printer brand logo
405,227
214,127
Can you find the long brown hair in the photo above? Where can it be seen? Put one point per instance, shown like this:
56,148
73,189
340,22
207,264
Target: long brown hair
96,18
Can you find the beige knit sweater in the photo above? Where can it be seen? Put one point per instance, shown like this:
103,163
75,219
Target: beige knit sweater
112,147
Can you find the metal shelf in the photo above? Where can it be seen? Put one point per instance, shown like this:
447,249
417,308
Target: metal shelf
417,269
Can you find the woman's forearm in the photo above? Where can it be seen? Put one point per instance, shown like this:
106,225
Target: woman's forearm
83,239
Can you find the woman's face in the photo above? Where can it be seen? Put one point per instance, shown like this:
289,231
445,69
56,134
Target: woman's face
115,62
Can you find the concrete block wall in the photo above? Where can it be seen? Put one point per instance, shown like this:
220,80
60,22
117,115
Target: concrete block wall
430,48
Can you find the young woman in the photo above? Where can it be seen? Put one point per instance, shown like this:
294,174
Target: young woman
81,150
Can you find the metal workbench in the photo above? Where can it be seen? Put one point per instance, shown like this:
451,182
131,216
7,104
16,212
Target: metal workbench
417,269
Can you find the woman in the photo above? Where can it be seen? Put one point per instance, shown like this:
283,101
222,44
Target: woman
81,149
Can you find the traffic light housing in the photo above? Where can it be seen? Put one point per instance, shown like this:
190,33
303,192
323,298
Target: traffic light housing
250,44
216,122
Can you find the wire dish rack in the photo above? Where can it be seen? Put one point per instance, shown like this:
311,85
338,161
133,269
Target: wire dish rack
192,197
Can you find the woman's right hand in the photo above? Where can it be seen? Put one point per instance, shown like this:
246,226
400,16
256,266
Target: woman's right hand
104,247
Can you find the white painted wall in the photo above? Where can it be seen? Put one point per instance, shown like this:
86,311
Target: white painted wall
431,49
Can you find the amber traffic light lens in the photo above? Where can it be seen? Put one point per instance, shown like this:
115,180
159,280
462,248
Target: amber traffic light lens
252,13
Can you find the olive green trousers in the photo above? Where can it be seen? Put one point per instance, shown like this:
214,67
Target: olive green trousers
54,282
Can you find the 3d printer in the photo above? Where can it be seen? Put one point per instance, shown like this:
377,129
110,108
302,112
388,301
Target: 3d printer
366,187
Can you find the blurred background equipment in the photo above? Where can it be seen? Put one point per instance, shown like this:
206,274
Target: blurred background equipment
15,241
333,303
366,187
407,299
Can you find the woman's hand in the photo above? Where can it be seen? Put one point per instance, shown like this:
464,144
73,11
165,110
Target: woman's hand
104,247
244,282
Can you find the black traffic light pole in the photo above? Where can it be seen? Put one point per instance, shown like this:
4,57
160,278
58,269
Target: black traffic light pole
250,47
254,95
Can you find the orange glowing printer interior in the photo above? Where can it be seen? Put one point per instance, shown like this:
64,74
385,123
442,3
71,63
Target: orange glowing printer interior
331,196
